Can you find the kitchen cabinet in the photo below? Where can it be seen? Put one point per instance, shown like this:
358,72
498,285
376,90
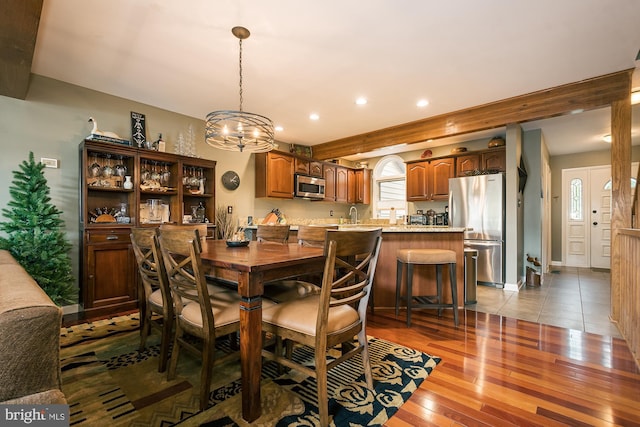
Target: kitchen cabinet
342,184
429,179
274,175
493,160
467,164
315,168
329,174
301,166
110,204
359,186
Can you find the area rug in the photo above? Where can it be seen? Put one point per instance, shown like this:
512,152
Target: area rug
109,382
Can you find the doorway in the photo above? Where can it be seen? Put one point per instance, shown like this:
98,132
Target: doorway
586,221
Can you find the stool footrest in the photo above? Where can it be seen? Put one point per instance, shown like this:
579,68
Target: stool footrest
426,299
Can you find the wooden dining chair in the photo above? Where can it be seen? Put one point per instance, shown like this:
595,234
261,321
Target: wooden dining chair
273,233
157,294
199,313
202,228
313,235
332,317
287,290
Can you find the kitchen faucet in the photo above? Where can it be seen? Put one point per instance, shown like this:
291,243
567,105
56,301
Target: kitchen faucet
353,210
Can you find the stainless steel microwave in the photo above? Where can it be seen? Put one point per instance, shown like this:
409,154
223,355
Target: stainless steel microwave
309,187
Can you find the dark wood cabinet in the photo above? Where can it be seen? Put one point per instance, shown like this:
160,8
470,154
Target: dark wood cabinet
110,280
274,175
111,203
315,168
301,166
417,184
360,186
492,160
329,174
342,184
429,179
441,171
495,160
467,164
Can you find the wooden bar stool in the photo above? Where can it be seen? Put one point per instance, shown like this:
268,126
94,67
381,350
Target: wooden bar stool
437,257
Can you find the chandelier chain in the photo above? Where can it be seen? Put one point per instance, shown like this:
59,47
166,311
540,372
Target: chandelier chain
240,62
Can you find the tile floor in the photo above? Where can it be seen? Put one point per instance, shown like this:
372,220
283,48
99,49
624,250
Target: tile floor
569,297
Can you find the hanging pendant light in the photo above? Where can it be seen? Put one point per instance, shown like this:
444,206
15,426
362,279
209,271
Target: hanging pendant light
239,130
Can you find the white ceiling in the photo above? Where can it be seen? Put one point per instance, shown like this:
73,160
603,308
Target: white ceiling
305,57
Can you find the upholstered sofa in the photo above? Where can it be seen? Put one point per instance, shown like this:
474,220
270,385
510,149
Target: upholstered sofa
29,339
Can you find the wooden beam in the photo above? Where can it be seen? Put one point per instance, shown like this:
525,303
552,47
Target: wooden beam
620,191
19,22
584,95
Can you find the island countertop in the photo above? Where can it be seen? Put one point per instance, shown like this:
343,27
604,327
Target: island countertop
401,228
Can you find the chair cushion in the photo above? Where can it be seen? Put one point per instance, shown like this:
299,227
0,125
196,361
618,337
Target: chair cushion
301,315
225,307
426,256
287,290
156,296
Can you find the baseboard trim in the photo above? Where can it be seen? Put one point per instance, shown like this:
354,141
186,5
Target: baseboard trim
70,309
514,287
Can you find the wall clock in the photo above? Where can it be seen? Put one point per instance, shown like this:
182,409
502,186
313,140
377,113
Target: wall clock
230,180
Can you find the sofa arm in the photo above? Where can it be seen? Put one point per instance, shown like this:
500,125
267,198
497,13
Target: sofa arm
29,336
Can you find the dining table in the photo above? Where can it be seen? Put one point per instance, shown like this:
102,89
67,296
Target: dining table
251,267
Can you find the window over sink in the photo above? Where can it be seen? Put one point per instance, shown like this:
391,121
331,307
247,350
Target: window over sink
389,182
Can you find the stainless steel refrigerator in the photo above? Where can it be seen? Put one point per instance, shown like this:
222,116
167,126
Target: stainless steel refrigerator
477,203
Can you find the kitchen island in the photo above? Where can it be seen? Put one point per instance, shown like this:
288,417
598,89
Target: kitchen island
396,237
416,236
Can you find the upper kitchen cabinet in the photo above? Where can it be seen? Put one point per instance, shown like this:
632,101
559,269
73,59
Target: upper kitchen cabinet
493,160
274,174
359,187
308,167
329,175
429,179
342,184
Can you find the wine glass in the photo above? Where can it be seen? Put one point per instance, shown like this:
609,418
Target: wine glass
166,175
107,170
120,168
145,173
95,169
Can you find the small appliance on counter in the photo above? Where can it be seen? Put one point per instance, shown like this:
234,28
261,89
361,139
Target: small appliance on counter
418,219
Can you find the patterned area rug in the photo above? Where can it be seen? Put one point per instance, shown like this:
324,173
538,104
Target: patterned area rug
108,382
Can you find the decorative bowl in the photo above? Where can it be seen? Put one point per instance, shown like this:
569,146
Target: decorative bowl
237,243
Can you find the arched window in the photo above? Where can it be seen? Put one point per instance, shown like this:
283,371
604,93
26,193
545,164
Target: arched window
576,211
389,183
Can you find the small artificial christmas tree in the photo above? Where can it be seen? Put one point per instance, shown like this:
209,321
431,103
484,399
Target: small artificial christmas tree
34,233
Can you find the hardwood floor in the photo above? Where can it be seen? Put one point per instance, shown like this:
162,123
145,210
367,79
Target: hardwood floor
500,371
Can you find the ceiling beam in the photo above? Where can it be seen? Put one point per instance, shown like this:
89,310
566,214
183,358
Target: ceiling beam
583,95
19,22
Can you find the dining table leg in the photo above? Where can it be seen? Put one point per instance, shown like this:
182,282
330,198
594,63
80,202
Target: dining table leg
250,290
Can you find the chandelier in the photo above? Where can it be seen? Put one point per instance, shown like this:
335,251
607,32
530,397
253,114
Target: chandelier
239,130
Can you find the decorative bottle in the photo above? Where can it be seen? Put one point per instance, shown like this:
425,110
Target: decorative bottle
161,144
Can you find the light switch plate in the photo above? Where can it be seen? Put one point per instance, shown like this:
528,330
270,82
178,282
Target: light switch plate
49,163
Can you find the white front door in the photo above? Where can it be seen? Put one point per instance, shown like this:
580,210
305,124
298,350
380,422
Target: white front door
575,183
586,206
600,217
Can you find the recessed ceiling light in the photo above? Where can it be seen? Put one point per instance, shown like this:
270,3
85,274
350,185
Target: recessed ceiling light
361,101
279,128
607,138
314,116
422,103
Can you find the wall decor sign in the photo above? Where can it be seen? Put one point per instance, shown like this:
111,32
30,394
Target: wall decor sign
138,129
